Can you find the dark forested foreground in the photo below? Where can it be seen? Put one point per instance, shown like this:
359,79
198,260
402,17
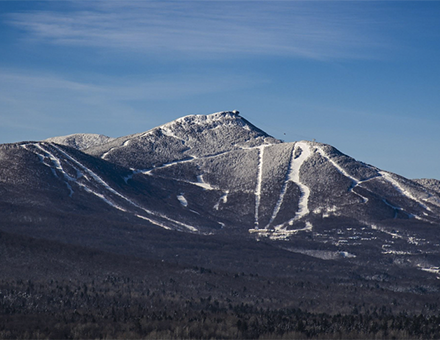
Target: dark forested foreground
119,307
54,290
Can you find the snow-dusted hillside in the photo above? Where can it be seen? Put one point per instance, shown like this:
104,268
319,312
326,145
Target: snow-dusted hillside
80,141
270,187
220,175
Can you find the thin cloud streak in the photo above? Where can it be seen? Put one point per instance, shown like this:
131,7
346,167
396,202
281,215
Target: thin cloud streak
208,30
157,88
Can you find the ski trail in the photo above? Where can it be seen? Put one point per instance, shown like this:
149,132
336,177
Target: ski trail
166,165
355,181
293,176
153,222
283,190
101,196
57,163
203,184
259,182
105,154
167,131
389,178
113,191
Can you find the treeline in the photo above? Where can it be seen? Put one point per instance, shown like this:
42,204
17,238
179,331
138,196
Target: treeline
239,322
119,307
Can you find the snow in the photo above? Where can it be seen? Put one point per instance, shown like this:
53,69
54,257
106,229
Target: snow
294,176
259,182
346,254
396,252
153,222
322,254
182,200
101,196
201,183
280,232
80,141
213,120
223,199
434,270
104,155
168,131
166,165
330,211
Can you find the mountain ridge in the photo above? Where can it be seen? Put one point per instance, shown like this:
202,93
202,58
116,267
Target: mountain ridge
80,141
219,175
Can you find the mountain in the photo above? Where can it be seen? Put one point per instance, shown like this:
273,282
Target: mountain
215,191
220,175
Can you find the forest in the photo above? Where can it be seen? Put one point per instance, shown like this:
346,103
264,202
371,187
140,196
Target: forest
120,307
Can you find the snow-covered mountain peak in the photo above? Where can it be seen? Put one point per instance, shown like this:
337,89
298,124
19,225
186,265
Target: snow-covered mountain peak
216,120
187,137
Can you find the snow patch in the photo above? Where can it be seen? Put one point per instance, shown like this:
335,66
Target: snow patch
330,211
205,185
430,269
223,199
322,254
182,200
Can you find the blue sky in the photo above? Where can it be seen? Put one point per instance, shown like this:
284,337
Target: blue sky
363,76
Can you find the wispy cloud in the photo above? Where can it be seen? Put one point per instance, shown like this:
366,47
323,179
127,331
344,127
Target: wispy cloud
208,29
123,88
